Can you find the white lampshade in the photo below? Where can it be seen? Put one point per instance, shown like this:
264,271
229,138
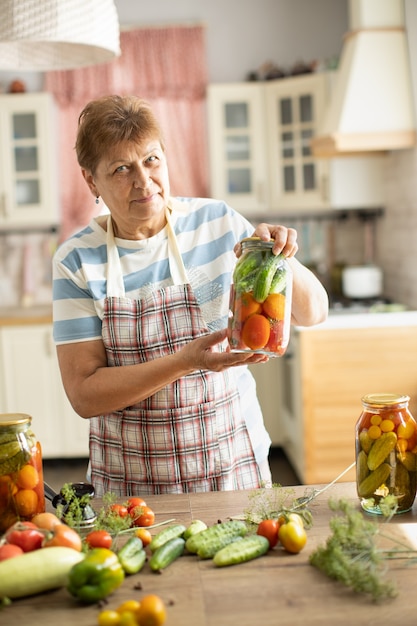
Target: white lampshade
42,35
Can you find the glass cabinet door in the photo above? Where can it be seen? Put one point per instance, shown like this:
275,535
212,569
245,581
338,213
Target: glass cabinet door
25,158
293,108
28,180
237,146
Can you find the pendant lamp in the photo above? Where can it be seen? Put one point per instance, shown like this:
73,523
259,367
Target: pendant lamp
44,35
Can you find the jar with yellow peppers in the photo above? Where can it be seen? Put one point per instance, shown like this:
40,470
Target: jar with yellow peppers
386,452
21,476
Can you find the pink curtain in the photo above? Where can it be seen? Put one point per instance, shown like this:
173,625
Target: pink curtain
167,67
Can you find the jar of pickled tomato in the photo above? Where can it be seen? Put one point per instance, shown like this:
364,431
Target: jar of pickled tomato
386,452
260,300
21,473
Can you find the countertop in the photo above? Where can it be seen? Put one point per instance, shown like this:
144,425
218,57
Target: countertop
15,315
277,588
363,320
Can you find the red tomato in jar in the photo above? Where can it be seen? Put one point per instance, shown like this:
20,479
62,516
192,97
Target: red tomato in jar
99,539
26,535
269,528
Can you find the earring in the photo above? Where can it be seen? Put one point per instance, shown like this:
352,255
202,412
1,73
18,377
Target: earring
97,200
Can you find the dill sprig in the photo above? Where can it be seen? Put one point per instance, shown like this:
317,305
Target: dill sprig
351,556
275,502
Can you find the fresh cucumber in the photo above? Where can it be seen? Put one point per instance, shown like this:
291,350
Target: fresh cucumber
176,530
209,549
266,273
246,265
279,281
195,527
241,551
38,571
203,539
167,554
132,556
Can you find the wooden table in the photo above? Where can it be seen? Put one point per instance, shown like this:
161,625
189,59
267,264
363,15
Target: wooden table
277,589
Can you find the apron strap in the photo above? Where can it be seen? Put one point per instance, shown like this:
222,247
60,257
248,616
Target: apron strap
176,264
115,284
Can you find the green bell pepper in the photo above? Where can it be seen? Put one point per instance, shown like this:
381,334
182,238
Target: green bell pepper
101,573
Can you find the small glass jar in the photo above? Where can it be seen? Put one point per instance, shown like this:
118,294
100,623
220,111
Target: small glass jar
386,452
21,472
260,300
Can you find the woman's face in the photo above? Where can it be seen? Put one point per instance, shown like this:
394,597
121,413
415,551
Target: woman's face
132,179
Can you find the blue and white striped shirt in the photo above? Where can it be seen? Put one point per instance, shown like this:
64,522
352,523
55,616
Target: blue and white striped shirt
206,232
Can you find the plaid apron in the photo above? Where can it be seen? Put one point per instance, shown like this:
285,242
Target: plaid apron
188,437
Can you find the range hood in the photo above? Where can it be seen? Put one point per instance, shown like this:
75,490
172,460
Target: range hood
371,105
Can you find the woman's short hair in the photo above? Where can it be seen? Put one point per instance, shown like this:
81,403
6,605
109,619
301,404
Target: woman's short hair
109,120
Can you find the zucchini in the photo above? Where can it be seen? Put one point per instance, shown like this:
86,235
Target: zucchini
177,530
37,571
201,540
167,554
247,549
266,273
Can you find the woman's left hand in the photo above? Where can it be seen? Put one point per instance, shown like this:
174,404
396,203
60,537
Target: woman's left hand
285,239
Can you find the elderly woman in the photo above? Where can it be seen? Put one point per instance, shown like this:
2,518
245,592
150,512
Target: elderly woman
140,311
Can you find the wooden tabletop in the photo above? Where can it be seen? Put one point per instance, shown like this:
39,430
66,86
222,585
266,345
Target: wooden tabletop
276,589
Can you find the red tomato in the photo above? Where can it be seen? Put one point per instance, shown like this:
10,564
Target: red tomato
120,510
99,539
9,550
63,535
26,535
145,517
269,528
132,503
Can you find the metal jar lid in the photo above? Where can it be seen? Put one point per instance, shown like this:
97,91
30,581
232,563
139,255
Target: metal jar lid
14,419
381,400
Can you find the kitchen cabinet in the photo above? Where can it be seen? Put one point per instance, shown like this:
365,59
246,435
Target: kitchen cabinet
260,156
31,383
268,377
326,371
28,176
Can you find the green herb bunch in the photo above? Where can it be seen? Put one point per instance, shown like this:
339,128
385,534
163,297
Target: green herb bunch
351,555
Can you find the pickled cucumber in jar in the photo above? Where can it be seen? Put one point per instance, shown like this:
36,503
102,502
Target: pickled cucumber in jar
386,452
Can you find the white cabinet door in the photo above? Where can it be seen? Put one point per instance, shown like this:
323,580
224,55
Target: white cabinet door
32,384
297,179
28,172
260,155
237,146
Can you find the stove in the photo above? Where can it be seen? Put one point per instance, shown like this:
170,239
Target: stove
347,306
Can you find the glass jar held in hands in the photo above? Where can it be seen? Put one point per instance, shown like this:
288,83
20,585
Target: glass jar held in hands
260,300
